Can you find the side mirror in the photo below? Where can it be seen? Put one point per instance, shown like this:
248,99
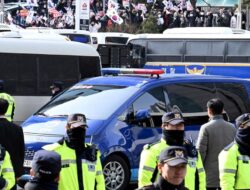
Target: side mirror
139,116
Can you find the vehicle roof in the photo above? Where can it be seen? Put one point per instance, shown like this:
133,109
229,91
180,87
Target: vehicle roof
71,31
46,47
139,80
205,30
196,33
36,35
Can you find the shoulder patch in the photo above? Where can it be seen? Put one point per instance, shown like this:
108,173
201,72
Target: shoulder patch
148,146
229,146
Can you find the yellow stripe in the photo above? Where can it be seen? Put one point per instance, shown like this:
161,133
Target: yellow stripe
198,63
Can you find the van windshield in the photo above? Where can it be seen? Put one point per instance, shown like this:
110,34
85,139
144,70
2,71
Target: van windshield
96,102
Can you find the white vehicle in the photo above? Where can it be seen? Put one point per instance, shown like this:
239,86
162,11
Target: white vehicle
214,50
29,67
109,38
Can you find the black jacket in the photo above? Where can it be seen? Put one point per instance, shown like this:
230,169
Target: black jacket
12,139
162,184
36,184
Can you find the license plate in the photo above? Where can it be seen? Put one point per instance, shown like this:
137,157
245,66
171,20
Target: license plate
27,163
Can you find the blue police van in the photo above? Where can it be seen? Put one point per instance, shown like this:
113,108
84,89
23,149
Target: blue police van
124,113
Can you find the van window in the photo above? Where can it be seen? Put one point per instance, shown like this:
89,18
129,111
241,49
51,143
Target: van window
235,99
154,101
191,100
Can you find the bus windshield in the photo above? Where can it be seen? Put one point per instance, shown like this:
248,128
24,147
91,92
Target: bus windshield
89,100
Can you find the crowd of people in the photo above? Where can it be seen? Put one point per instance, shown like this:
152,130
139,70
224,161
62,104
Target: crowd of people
127,17
220,159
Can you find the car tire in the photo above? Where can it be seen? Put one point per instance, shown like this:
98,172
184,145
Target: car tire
116,173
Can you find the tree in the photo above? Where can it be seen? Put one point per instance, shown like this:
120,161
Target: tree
149,25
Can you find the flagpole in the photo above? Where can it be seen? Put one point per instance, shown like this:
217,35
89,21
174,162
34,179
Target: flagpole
239,15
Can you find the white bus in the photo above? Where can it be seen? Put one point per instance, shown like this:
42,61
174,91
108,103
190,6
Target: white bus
217,51
29,67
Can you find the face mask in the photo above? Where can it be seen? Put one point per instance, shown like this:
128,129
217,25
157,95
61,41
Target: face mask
76,137
173,137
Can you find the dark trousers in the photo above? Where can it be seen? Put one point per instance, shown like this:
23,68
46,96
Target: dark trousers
213,188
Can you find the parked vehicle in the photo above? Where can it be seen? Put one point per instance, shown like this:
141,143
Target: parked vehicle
29,67
214,51
124,113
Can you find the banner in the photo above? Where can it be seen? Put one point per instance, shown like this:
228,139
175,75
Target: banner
217,3
84,9
142,7
126,3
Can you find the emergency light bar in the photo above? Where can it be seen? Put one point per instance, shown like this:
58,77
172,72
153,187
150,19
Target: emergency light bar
116,71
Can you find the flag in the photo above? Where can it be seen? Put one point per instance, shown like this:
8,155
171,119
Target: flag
113,15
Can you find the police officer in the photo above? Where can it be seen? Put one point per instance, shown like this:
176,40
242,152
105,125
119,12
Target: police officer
46,167
234,160
81,165
56,88
10,112
7,175
12,139
172,167
173,135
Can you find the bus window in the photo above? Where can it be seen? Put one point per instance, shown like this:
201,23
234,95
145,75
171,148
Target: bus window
116,40
205,51
167,51
238,51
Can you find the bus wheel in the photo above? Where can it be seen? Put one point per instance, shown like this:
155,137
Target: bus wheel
116,173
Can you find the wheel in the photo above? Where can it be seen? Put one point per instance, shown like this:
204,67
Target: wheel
116,173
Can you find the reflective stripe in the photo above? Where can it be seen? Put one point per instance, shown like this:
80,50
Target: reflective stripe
99,173
74,162
148,168
231,171
64,162
8,170
88,162
201,170
243,158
